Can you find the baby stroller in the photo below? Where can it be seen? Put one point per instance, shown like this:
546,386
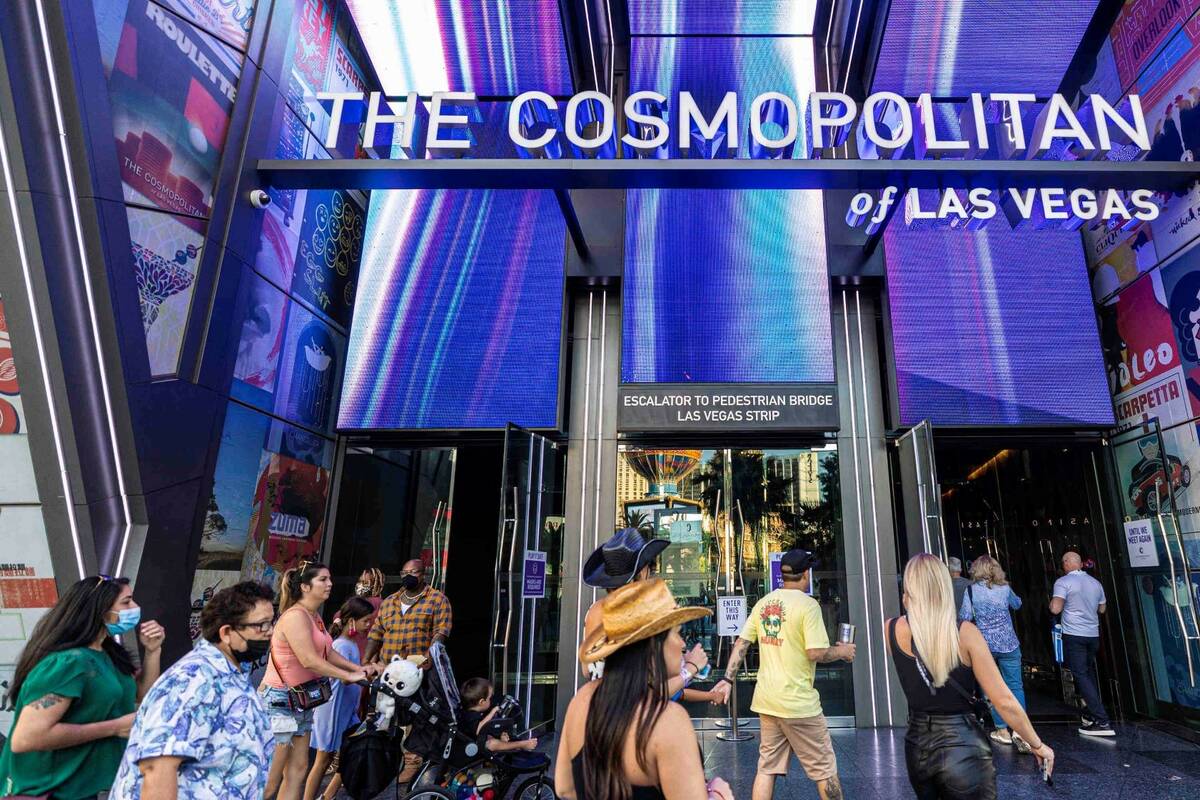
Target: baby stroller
457,764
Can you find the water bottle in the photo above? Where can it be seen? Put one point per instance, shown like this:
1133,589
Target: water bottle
1056,636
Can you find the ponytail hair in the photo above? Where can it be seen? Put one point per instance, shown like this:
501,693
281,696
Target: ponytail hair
289,588
355,608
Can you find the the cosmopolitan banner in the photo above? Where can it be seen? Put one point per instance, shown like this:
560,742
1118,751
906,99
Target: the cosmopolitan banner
1001,126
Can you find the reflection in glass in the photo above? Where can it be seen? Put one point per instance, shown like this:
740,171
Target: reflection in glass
726,512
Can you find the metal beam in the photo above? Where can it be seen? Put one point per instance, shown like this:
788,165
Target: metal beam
516,173
573,227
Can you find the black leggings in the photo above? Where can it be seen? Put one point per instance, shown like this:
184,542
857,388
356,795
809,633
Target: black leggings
949,758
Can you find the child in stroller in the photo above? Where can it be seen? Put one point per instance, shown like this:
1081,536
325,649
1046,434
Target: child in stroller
459,764
491,724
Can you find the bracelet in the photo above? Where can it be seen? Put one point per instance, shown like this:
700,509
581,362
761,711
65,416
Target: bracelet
724,678
693,665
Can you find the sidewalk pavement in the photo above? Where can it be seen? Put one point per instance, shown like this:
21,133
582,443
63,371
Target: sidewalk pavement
1139,763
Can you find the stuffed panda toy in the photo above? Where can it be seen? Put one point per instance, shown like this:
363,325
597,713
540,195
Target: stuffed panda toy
400,678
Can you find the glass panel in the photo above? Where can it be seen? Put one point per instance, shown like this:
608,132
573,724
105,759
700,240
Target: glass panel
529,581
726,511
393,505
1154,481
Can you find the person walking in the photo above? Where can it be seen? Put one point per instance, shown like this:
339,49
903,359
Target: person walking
301,656
790,631
1080,599
408,623
956,578
202,732
74,693
332,720
410,620
989,603
941,662
622,738
626,557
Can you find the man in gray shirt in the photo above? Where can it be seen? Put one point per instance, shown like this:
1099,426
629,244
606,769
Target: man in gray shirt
1080,599
957,580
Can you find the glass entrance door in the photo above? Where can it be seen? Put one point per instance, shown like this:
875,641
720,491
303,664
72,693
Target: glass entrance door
1162,563
727,512
525,620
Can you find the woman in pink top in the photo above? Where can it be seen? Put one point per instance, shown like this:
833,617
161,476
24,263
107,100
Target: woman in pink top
301,651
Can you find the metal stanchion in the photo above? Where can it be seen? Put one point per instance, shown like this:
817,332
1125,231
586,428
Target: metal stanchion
733,734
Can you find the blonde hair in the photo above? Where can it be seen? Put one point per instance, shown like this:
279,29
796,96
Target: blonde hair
986,568
931,615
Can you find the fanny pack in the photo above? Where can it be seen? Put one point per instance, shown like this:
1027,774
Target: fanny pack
307,695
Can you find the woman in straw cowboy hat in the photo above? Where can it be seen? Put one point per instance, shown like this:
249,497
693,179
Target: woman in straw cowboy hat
622,738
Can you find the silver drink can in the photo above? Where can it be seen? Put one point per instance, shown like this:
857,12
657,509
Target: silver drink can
846,633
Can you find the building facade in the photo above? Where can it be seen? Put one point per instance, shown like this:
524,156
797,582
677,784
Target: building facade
206,376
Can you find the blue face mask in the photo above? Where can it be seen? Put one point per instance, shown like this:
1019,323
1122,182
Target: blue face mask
127,620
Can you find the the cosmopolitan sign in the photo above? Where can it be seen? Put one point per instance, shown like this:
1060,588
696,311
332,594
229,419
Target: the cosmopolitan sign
773,125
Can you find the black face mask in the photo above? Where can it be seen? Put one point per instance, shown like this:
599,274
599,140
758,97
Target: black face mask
255,649
409,582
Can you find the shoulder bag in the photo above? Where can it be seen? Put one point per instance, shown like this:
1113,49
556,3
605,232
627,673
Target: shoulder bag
979,706
307,695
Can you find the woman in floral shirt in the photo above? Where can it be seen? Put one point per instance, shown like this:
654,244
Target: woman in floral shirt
202,732
989,603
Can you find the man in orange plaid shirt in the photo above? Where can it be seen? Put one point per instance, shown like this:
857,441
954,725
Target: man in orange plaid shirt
410,620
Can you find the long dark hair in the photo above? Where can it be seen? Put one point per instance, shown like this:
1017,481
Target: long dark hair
289,588
632,692
354,608
75,621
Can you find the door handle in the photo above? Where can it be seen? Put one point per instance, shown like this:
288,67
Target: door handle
1175,591
1187,578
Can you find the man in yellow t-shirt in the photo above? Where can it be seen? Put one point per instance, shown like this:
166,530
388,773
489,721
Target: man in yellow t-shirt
791,637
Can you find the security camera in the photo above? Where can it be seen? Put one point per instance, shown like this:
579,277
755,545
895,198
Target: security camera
259,198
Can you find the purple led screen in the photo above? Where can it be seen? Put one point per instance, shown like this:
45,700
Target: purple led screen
994,327
498,47
743,17
954,47
458,321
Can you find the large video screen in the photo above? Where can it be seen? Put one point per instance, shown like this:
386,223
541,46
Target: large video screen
953,49
493,48
458,321
746,17
994,327
725,286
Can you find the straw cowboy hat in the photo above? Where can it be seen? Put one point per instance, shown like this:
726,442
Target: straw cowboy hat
635,612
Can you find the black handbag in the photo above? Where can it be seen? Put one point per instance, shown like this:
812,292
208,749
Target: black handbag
979,706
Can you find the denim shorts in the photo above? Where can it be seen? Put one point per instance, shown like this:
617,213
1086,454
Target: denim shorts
285,723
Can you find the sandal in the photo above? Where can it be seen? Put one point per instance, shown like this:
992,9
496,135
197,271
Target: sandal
1001,736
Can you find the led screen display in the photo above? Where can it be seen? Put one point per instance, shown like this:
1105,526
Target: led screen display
753,17
994,327
951,48
708,67
458,321
501,47
725,286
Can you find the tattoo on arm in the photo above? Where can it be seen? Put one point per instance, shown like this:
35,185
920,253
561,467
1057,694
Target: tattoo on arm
833,789
823,656
47,701
735,658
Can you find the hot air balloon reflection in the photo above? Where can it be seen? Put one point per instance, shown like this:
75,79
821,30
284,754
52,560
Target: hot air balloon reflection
669,515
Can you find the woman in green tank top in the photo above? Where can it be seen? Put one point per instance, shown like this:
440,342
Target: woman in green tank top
74,693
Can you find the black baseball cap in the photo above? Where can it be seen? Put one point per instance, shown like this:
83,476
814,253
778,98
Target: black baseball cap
796,562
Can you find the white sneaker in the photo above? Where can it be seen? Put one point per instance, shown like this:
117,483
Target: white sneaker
1001,736
1021,745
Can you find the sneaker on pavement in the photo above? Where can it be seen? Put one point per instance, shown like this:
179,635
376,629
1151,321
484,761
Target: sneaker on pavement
1001,736
1096,729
